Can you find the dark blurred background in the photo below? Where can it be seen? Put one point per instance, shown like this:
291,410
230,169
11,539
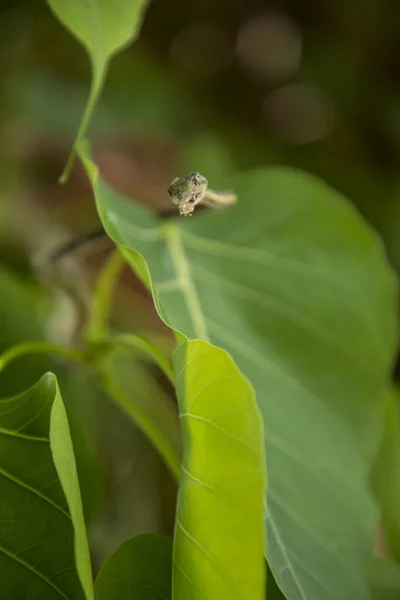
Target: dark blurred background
215,86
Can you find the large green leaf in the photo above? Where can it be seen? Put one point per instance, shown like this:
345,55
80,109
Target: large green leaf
219,538
295,286
140,569
43,547
104,27
386,475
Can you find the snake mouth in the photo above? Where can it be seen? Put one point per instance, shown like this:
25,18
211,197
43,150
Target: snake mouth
186,209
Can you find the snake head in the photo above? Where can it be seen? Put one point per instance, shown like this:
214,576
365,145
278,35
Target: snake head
187,192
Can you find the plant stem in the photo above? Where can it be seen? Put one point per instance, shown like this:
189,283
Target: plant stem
98,77
157,437
39,348
103,295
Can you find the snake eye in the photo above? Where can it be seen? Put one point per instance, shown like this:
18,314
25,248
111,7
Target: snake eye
191,200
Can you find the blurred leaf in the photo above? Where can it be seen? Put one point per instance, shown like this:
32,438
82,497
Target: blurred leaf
390,220
386,474
139,570
104,27
219,533
138,97
19,324
209,154
296,287
150,409
144,96
384,578
44,551
140,494
147,349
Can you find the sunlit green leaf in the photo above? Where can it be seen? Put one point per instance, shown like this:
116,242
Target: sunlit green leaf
219,533
43,547
139,570
386,475
296,287
104,27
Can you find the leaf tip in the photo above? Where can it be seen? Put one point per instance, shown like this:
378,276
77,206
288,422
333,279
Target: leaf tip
49,378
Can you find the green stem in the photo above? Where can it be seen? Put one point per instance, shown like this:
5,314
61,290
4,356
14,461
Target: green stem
39,348
139,343
103,296
99,74
156,436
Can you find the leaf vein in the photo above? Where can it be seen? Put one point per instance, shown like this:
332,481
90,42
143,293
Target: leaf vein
196,479
220,429
22,484
23,436
282,309
139,585
33,570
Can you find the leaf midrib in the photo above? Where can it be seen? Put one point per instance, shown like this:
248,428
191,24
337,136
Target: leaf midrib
176,249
